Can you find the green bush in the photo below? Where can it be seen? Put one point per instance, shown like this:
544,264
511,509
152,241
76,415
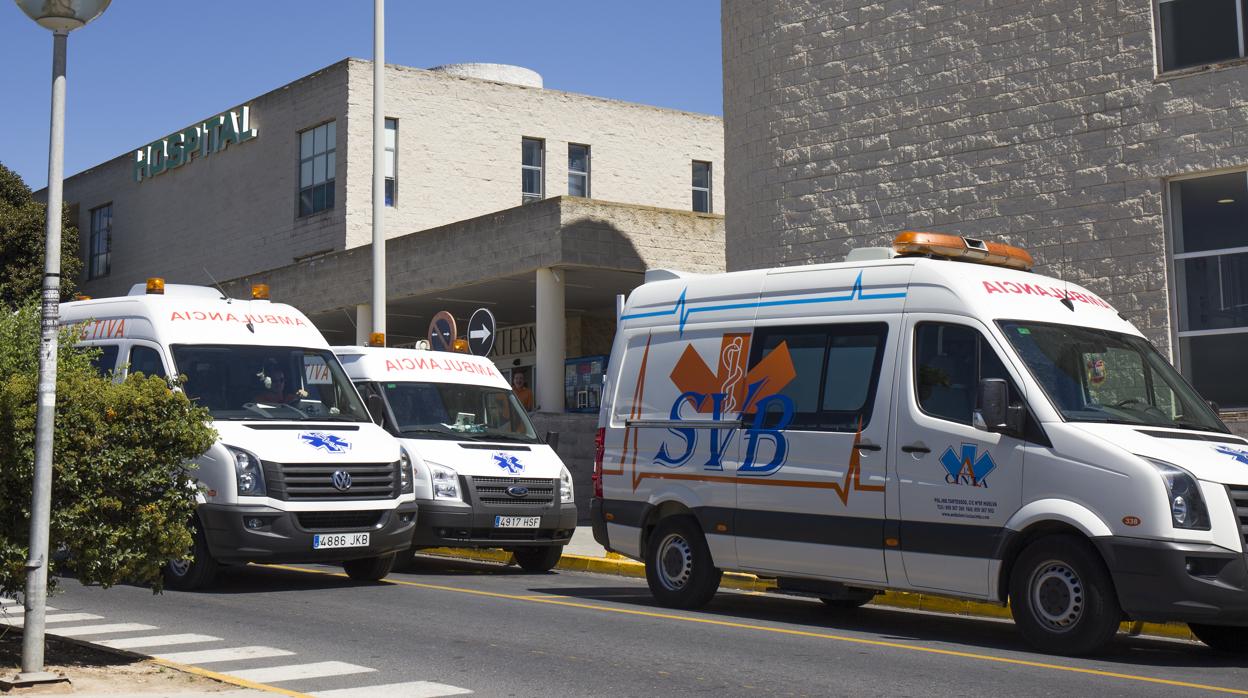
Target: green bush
22,240
121,498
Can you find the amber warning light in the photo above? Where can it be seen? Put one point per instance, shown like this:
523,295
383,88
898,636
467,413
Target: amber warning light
377,339
965,249
156,285
260,292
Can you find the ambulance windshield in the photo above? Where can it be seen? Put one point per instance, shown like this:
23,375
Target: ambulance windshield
458,411
247,382
1094,375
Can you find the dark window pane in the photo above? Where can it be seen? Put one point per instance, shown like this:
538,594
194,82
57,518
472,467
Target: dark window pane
702,174
1213,213
578,158
318,198
1216,291
702,201
389,192
531,182
106,360
1197,31
146,360
305,202
329,195
1215,365
850,364
576,184
945,366
531,152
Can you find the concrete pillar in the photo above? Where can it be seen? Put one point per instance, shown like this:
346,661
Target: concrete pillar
363,323
551,331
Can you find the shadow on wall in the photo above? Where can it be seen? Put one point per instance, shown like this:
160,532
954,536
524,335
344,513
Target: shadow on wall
576,450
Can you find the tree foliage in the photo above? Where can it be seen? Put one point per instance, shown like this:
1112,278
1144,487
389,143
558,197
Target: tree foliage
121,502
22,236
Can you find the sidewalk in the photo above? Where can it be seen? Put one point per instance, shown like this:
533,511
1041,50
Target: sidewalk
584,554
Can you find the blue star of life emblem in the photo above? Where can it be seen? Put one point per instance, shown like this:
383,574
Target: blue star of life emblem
1236,453
330,443
508,462
967,468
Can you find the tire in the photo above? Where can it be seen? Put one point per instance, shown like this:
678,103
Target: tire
1222,638
679,569
196,573
538,559
369,569
1062,598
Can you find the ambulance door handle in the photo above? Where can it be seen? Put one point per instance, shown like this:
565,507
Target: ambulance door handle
916,447
868,446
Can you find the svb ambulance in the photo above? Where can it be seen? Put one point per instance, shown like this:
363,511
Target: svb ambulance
929,417
299,472
484,479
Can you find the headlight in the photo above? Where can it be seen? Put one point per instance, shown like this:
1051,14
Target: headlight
565,486
445,482
248,471
1187,506
405,471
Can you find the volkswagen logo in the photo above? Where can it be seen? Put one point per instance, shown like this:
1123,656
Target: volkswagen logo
517,491
342,480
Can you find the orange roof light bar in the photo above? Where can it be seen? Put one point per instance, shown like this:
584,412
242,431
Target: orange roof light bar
259,292
377,339
965,249
156,285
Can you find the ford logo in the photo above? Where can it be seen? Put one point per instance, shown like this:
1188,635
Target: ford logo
342,480
517,491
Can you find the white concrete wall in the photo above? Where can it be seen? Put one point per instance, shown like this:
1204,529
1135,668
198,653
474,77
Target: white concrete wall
459,148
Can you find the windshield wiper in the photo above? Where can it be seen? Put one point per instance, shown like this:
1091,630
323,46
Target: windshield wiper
507,437
426,430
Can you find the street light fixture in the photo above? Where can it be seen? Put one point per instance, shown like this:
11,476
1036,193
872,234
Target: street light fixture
62,17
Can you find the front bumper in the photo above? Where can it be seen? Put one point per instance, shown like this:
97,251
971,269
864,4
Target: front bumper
284,538
459,526
1163,581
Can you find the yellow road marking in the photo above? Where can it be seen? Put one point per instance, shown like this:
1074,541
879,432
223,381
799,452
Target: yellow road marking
788,631
227,678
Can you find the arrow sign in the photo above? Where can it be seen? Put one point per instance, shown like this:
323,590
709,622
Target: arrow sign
481,332
442,332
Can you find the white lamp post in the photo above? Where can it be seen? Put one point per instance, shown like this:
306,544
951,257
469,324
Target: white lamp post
62,17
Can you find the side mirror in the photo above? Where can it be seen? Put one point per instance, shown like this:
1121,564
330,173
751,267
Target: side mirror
1217,409
552,440
376,408
995,412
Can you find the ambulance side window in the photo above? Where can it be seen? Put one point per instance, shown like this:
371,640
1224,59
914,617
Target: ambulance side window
949,361
147,361
835,372
106,361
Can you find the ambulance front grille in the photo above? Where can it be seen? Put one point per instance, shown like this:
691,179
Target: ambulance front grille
1239,497
492,491
314,482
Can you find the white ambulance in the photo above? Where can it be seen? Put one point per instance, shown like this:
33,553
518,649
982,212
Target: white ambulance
299,472
908,420
484,479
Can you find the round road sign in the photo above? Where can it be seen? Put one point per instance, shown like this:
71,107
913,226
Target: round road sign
442,332
481,332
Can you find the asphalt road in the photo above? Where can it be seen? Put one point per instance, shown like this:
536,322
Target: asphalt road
498,631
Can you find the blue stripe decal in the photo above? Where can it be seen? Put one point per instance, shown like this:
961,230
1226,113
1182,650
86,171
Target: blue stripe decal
683,312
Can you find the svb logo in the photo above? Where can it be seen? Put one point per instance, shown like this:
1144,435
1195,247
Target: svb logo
970,467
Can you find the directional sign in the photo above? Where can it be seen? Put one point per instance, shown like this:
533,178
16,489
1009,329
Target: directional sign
442,332
481,332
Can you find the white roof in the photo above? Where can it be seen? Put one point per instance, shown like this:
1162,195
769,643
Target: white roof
418,366
193,315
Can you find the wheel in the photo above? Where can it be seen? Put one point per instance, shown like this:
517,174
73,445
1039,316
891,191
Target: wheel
195,573
369,569
1223,638
679,568
1062,598
538,559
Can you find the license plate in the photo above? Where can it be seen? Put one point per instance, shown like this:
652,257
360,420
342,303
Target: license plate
339,540
517,522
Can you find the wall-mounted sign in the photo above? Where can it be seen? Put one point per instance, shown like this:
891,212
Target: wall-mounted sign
204,139
516,340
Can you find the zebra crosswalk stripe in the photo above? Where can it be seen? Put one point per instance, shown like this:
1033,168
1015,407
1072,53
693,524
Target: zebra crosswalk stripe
292,672
19,621
411,689
227,654
105,629
130,643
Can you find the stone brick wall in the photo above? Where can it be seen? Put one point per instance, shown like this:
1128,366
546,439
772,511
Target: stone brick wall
459,148
1041,123
576,450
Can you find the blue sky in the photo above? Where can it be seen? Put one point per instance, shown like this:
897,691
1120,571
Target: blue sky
148,67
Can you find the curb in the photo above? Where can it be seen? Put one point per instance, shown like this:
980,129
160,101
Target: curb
620,566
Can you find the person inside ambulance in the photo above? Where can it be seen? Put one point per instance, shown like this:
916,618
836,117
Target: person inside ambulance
276,391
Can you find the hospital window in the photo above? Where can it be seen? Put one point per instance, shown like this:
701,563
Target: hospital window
578,170
701,186
101,244
392,165
532,162
836,372
317,163
1199,32
1209,218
